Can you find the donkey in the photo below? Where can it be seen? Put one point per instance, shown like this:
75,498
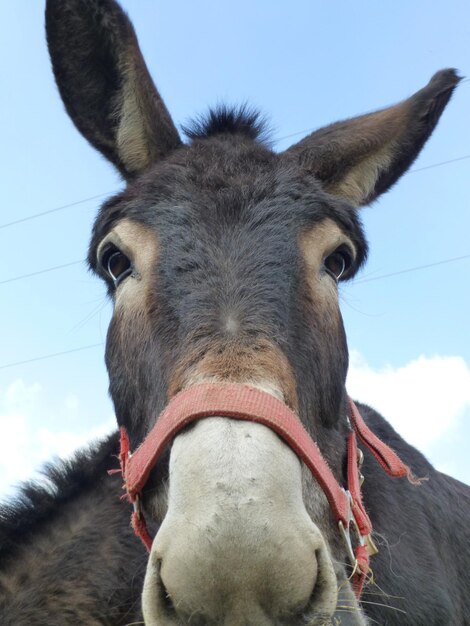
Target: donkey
67,553
223,260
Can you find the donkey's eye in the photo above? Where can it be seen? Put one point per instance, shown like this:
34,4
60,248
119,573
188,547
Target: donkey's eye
338,263
116,264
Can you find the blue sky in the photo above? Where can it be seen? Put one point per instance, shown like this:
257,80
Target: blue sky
304,64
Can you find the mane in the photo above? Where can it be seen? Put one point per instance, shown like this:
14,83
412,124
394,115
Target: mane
238,120
38,501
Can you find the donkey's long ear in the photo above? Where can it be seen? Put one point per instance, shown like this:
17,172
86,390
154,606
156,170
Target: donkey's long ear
105,84
360,158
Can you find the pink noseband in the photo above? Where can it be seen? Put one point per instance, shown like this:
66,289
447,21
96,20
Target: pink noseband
236,401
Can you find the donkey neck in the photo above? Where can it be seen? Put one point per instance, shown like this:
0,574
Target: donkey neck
57,568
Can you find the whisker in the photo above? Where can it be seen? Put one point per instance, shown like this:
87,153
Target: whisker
387,606
369,619
388,595
381,593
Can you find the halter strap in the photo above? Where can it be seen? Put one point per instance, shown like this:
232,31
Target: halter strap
236,401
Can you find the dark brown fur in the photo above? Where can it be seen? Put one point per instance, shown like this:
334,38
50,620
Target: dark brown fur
229,215
68,555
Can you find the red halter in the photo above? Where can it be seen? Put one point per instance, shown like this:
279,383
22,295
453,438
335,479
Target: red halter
241,402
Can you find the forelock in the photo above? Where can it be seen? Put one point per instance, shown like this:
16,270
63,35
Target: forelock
239,120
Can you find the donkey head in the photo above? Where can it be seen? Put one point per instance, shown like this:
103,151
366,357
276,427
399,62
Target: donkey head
223,260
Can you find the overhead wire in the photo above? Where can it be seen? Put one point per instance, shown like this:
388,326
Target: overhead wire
57,267
412,269
358,282
278,140
428,167
310,130
50,356
44,271
55,210
89,199
110,193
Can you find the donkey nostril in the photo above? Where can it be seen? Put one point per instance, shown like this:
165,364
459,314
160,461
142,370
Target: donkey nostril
324,597
159,608
165,597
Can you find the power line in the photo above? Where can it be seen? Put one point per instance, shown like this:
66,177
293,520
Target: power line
109,193
44,271
310,130
50,356
428,167
413,269
78,202
299,132
279,139
59,208
358,282
364,280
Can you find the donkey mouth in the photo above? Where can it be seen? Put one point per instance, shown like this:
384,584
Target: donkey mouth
237,545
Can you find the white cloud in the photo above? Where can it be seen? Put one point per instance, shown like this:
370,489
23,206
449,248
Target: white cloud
32,434
64,443
424,400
